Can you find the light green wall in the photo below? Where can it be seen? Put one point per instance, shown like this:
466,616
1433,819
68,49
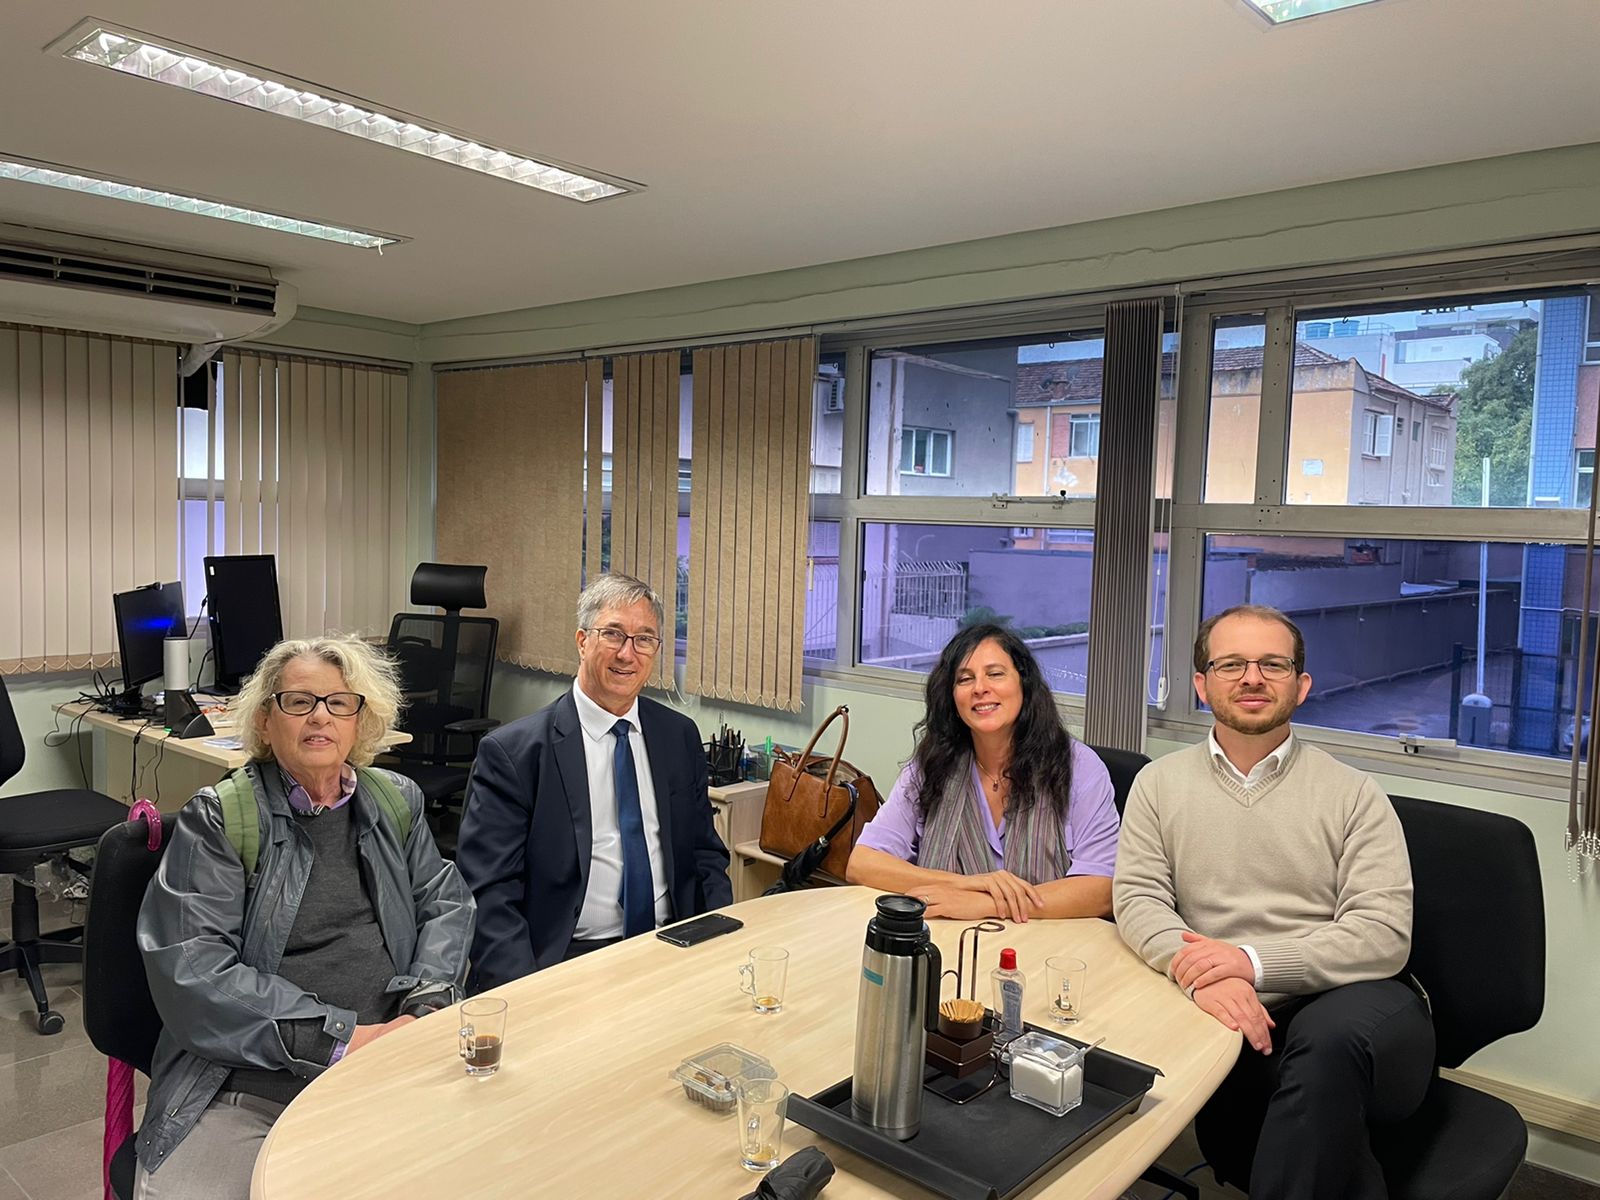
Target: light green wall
1518,197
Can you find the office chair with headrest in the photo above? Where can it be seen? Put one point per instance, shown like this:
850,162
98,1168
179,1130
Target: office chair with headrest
33,827
446,668
118,1013
1476,880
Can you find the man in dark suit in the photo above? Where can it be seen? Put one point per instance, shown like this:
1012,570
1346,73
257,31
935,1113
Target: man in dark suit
588,821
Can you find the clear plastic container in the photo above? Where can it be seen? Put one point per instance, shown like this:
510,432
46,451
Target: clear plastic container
1046,1072
711,1077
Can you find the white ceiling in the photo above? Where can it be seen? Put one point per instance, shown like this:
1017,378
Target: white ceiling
769,133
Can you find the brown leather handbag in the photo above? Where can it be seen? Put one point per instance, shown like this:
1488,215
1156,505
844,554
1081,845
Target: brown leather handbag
817,806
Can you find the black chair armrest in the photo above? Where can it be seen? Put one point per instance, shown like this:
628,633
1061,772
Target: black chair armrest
473,725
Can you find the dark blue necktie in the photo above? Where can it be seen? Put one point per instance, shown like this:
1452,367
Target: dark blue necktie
638,891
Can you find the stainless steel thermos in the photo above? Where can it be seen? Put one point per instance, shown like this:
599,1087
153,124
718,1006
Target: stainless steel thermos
898,1004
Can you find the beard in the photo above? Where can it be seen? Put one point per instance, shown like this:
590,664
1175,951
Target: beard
1274,715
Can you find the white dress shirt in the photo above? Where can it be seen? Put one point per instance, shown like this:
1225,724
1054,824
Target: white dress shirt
601,915
1259,773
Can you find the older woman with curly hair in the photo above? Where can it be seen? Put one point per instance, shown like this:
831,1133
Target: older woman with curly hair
1001,812
302,910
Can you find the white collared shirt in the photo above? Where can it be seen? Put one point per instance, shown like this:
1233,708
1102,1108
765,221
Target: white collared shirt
1264,769
601,915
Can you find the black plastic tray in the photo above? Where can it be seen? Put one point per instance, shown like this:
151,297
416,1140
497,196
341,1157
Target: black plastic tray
992,1147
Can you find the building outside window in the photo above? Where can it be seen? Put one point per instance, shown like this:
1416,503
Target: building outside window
1085,435
925,452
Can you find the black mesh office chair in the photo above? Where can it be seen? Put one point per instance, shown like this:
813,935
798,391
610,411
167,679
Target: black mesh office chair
446,669
1122,766
1476,881
118,1013
34,826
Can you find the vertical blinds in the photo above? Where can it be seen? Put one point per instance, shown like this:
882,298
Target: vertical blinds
510,494
88,490
1120,596
312,459
752,410
644,482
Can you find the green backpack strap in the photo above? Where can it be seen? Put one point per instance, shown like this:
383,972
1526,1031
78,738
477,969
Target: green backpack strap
241,818
393,804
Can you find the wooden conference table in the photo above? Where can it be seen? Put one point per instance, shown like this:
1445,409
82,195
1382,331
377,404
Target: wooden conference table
168,769
583,1105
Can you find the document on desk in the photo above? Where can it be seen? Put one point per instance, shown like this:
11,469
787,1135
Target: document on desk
225,743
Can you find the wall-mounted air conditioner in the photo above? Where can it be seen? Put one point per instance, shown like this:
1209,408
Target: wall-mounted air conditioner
830,390
67,281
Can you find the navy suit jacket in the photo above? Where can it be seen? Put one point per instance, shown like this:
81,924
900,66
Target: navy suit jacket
526,837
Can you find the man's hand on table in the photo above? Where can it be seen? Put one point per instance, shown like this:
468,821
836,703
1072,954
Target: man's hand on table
1204,961
1235,1003
367,1034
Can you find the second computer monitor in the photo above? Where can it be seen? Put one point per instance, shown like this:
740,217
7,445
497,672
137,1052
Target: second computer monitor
246,620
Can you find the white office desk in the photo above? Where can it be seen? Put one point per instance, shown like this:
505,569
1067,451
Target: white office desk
137,758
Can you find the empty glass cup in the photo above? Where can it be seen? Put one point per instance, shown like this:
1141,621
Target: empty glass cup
763,1105
764,977
1063,982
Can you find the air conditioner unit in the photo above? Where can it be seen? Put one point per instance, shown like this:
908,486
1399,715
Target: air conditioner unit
831,390
71,282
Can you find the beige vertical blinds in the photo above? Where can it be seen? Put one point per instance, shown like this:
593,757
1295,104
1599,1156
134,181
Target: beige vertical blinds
88,490
1119,603
510,494
312,459
752,428
644,482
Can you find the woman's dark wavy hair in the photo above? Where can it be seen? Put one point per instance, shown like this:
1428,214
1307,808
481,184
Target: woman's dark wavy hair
1041,750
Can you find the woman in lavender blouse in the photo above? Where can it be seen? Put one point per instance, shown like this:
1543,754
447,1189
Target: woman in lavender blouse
1000,812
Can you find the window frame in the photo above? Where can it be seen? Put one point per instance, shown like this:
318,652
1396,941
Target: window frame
948,437
1089,422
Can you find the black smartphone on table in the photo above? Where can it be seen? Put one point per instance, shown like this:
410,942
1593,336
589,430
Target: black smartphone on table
701,929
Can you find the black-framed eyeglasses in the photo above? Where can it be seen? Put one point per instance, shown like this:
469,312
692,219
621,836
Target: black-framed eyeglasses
1273,667
645,643
303,704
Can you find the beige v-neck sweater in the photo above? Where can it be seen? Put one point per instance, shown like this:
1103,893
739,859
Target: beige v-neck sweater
1309,868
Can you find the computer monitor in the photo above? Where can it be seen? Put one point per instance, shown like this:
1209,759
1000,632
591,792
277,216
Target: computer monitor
146,618
246,620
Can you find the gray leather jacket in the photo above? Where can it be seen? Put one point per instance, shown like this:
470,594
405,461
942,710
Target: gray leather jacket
212,943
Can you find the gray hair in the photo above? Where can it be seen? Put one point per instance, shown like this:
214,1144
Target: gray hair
614,590
367,670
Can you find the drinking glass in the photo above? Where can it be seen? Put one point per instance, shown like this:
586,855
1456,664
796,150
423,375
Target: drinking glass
764,977
1063,980
482,1036
763,1105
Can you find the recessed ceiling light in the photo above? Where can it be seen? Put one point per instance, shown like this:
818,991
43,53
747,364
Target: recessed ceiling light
24,170
1279,11
166,61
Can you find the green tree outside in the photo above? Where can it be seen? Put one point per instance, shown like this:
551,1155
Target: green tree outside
1494,420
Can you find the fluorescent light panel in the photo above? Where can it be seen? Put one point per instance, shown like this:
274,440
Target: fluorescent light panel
1279,11
135,53
26,171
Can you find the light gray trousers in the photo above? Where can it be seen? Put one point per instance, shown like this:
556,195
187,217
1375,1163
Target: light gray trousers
215,1161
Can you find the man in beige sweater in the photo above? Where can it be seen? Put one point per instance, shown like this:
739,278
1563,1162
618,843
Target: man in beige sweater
1271,883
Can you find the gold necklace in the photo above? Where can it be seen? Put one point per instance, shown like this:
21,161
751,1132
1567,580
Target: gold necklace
992,776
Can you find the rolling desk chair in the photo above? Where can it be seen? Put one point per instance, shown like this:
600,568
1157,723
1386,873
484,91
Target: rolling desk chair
118,1013
34,826
446,669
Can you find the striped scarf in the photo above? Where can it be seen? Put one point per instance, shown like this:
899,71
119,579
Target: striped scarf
953,838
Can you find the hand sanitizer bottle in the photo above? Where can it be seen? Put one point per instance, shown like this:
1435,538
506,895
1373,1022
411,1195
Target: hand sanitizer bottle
1008,985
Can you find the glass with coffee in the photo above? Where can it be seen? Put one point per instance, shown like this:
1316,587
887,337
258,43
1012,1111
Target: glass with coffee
482,1035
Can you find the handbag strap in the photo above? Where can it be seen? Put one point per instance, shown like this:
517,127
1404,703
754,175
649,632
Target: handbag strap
838,752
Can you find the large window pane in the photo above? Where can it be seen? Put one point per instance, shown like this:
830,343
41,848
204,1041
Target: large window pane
920,583
1392,632
1019,417
1232,426
1415,406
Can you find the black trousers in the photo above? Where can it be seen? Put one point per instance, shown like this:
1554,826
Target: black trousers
1341,1061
